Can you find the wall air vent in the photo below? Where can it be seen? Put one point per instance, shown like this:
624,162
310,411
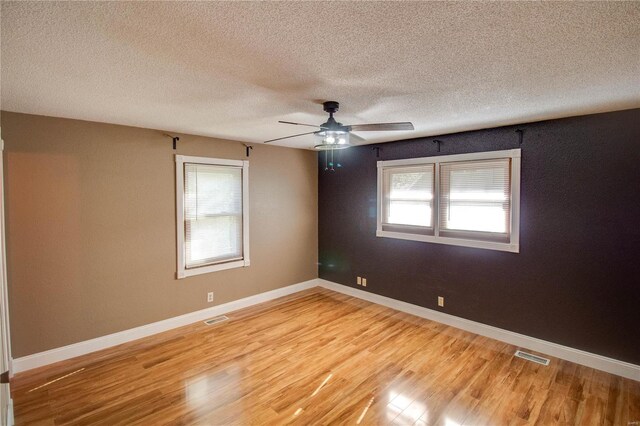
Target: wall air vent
532,358
216,320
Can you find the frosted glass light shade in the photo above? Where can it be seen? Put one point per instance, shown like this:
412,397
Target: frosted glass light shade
332,139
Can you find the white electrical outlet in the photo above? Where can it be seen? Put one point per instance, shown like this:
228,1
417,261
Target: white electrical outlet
359,280
364,282
210,297
440,301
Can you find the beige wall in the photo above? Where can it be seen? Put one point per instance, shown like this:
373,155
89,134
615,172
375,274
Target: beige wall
91,228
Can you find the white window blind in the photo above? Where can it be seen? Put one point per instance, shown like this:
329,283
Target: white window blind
475,199
213,223
408,198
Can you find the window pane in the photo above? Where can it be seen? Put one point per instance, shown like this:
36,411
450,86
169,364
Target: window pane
213,214
213,239
212,190
414,185
408,196
475,196
409,213
477,218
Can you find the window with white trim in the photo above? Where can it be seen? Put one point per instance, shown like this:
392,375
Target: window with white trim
212,211
468,200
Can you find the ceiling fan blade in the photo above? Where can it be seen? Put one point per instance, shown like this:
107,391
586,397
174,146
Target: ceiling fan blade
382,127
356,138
287,137
299,124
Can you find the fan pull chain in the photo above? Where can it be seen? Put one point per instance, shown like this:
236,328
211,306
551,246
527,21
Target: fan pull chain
331,163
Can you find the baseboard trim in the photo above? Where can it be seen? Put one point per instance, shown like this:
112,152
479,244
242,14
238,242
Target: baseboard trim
588,359
599,362
10,419
82,348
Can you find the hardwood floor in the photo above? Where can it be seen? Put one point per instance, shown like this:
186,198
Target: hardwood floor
320,357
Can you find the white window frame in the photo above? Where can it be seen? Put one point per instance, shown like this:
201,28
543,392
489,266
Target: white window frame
184,272
512,246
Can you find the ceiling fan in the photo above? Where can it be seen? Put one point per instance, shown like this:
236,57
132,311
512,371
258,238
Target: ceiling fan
334,135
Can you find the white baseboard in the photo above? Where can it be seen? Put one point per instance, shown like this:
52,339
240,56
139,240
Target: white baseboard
588,359
81,348
610,365
10,419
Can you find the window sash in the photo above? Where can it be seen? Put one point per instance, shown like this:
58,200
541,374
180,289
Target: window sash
415,198
212,192
481,184
228,256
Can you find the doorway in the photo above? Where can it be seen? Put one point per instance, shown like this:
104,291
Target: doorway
6,412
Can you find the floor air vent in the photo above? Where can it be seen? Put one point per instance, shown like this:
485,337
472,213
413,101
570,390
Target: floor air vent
216,320
532,358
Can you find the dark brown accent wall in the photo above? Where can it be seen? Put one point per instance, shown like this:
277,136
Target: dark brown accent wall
576,280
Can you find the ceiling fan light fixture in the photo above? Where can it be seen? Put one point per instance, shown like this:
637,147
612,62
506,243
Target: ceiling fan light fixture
332,139
330,147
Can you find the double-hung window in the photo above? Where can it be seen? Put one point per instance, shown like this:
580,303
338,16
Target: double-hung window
467,199
212,210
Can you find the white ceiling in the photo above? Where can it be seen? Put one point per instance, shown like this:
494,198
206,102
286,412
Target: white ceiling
232,70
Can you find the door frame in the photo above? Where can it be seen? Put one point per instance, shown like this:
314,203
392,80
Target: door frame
6,361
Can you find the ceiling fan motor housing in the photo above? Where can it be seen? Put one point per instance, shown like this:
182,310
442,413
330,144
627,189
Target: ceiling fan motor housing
331,106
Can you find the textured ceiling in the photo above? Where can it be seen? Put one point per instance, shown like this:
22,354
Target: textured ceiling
232,70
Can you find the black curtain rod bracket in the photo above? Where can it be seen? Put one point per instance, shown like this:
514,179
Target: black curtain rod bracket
175,140
436,141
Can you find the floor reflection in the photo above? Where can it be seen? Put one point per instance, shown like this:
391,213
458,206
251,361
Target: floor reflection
364,412
402,409
206,392
315,392
321,385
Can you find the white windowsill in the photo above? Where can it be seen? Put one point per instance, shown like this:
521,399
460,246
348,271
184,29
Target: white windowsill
212,268
491,245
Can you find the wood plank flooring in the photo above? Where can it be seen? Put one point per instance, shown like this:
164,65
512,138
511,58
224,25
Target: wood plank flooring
320,357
